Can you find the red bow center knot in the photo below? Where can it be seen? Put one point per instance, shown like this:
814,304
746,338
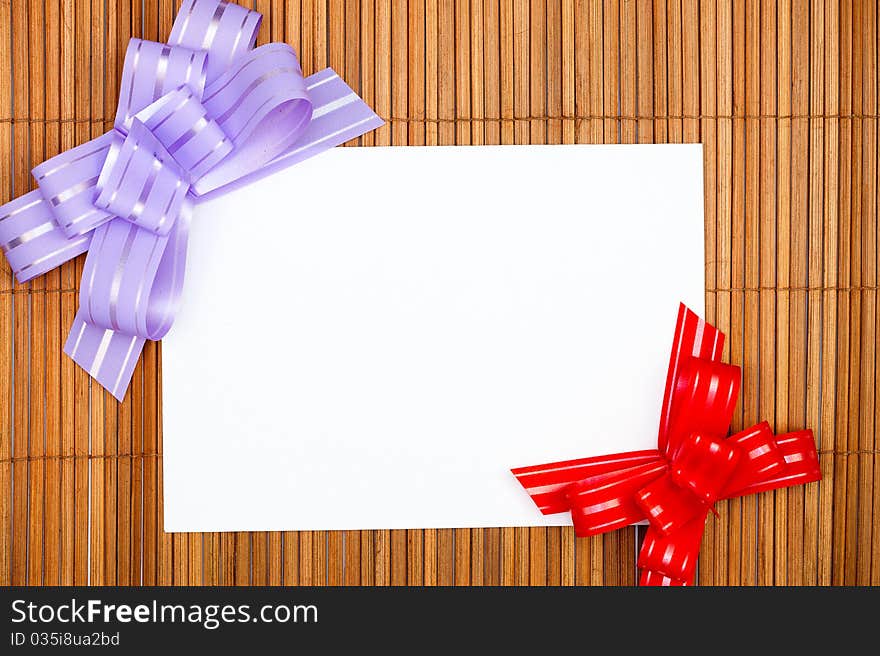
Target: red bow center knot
695,463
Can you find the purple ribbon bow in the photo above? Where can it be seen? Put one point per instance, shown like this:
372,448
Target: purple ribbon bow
195,116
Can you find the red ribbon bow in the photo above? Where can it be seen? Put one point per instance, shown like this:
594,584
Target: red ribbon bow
694,465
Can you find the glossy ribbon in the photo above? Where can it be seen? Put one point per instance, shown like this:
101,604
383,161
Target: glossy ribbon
694,465
200,114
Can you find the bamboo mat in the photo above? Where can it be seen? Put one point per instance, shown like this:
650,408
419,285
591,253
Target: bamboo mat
783,95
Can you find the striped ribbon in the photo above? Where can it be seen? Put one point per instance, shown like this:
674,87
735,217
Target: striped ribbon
675,485
197,116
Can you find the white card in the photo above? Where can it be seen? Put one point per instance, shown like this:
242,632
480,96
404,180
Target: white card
373,338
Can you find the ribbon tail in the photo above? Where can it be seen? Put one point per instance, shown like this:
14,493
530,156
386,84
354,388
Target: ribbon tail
694,338
49,226
339,115
109,356
651,578
547,484
31,239
672,557
798,464
132,281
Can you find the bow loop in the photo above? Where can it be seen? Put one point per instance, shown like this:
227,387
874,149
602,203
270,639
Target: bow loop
223,29
67,183
703,401
150,70
133,287
262,102
800,464
761,458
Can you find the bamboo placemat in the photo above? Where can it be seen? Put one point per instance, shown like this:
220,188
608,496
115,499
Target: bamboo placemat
783,95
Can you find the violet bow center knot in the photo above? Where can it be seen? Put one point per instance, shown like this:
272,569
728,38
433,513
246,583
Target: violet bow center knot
149,171
132,279
196,116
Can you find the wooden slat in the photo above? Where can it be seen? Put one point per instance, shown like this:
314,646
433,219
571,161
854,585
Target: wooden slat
732,35
754,545
790,569
125,524
806,573
719,30
777,502
855,309
841,441
783,94
81,407
869,260
37,373
7,331
872,450
827,435
766,260
60,408
20,307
